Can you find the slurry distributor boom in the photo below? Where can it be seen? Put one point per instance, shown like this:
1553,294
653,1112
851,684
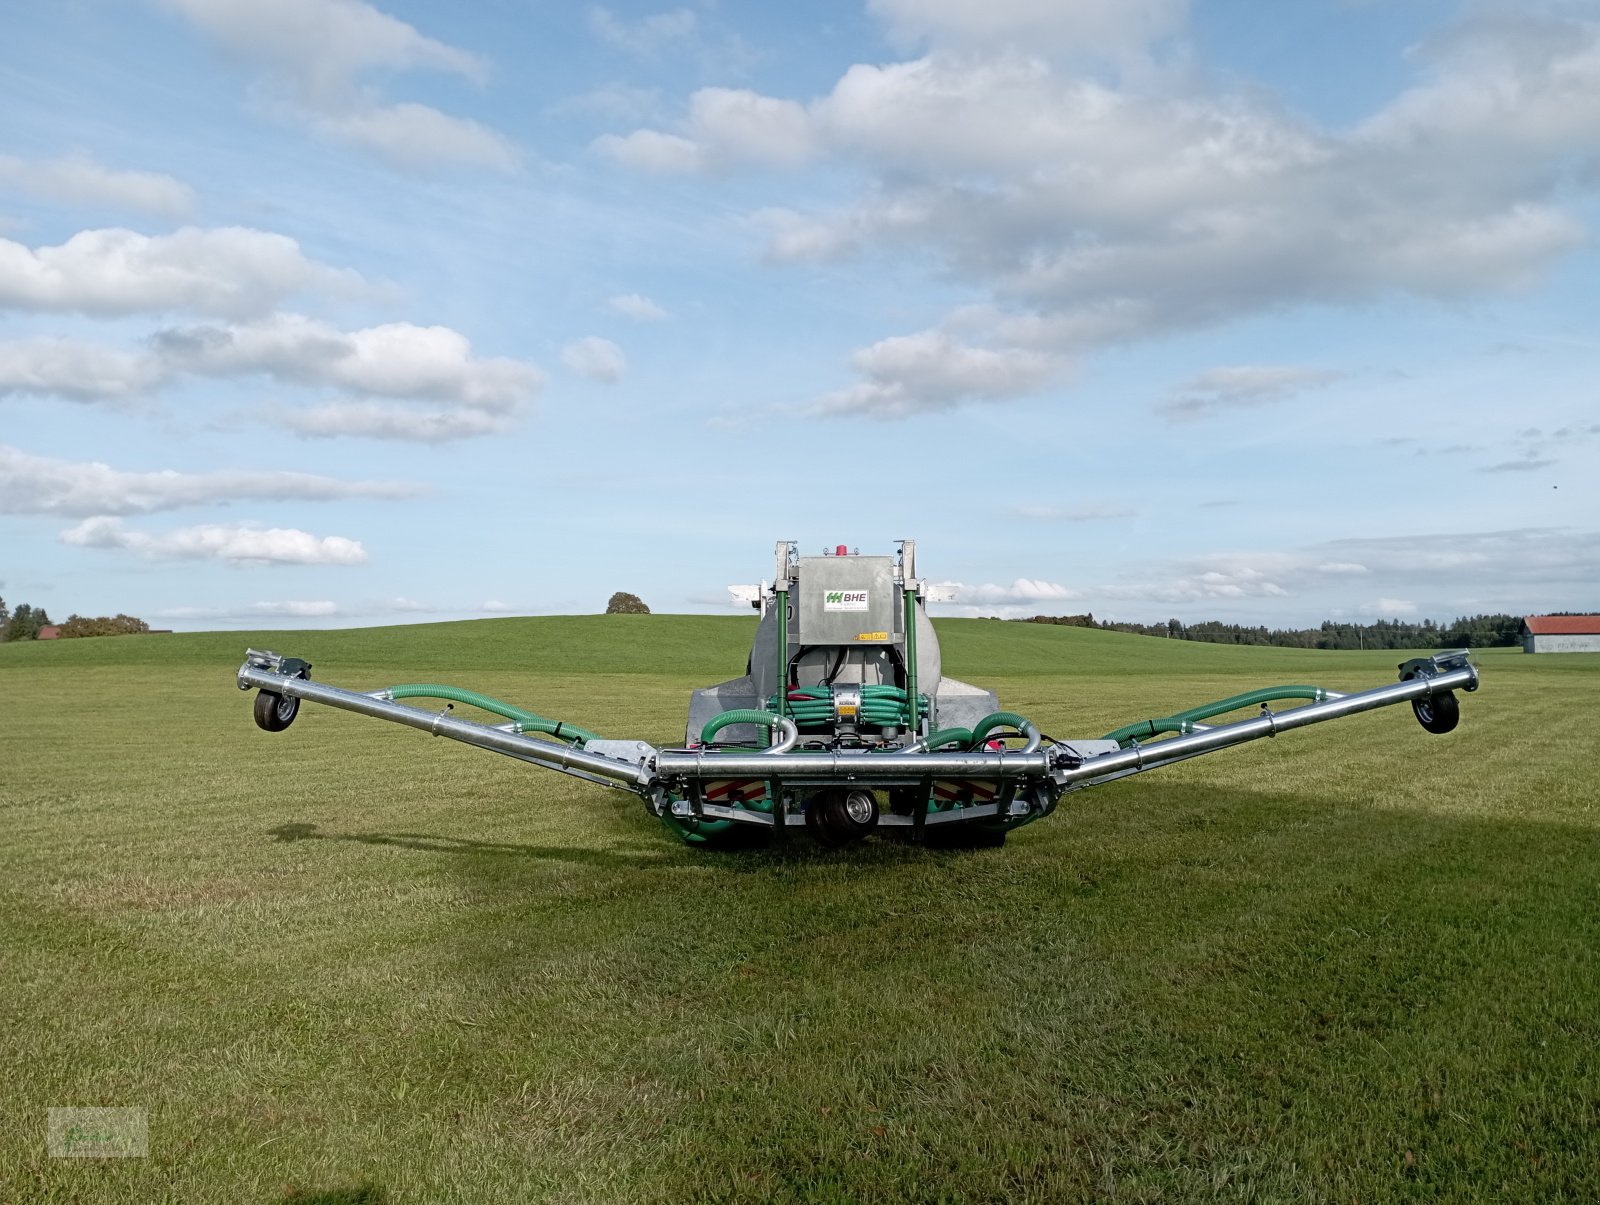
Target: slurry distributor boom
844,722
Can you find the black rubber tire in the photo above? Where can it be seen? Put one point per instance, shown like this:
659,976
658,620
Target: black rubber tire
275,712
1439,713
829,821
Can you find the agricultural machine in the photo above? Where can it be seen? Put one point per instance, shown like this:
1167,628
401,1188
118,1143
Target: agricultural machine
845,723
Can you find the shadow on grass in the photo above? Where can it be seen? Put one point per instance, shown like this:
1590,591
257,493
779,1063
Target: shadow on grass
1290,993
433,844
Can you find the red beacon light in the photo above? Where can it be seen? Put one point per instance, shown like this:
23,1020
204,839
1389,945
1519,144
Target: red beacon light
841,550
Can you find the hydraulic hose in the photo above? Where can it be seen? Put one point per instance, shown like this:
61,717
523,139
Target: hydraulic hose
529,721
750,716
1184,721
1006,719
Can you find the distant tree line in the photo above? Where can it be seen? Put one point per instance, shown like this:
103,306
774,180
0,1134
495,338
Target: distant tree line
1477,632
24,624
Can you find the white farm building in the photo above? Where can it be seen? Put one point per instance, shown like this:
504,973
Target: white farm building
1561,634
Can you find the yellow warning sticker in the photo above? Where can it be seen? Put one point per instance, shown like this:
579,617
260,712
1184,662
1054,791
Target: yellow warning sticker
872,635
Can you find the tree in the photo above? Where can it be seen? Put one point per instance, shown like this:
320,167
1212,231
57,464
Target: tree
5,616
25,623
623,603
103,625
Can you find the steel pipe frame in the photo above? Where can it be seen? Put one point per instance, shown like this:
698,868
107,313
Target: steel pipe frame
836,768
544,753
1163,753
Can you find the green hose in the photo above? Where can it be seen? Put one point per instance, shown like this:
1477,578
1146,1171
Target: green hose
949,736
1000,719
882,706
528,721
1184,721
741,716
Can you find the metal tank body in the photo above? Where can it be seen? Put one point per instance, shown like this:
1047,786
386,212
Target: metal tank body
844,624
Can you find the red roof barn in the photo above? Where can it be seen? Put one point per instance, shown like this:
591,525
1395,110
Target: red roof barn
1561,634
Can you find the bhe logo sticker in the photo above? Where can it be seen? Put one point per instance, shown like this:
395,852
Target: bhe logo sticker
844,600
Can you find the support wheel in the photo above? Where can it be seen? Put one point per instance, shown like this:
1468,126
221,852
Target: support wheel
1439,713
837,818
275,712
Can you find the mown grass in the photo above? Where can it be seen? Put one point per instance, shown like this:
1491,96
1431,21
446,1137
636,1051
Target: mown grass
349,963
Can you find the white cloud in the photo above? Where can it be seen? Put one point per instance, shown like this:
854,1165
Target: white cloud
79,180
415,136
397,359
1021,598
324,44
321,56
637,305
494,606
462,394
227,271
78,371
1430,574
390,420
237,544
652,151
649,37
46,486
1219,389
298,608
595,358
930,371
1095,208
293,608
1072,25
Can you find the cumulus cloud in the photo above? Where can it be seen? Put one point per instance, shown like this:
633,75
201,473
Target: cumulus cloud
229,272
321,57
931,371
637,305
1219,389
416,136
1114,26
595,358
236,544
1093,208
400,381
390,420
724,127
1022,597
397,359
79,180
75,370
43,485
1495,570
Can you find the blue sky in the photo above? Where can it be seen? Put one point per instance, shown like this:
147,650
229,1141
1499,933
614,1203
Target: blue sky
324,313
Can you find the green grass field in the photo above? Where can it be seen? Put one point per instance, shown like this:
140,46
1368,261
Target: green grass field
350,963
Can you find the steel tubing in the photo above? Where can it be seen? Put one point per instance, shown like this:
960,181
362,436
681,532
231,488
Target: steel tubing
836,767
1161,753
544,753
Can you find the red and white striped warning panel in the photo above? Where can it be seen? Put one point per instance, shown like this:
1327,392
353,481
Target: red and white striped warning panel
964,790
735,790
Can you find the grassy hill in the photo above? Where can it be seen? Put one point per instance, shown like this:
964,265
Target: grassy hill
351,963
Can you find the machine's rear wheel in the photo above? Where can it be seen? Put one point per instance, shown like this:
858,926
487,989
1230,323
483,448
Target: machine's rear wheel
838,817
274,711
1438,713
